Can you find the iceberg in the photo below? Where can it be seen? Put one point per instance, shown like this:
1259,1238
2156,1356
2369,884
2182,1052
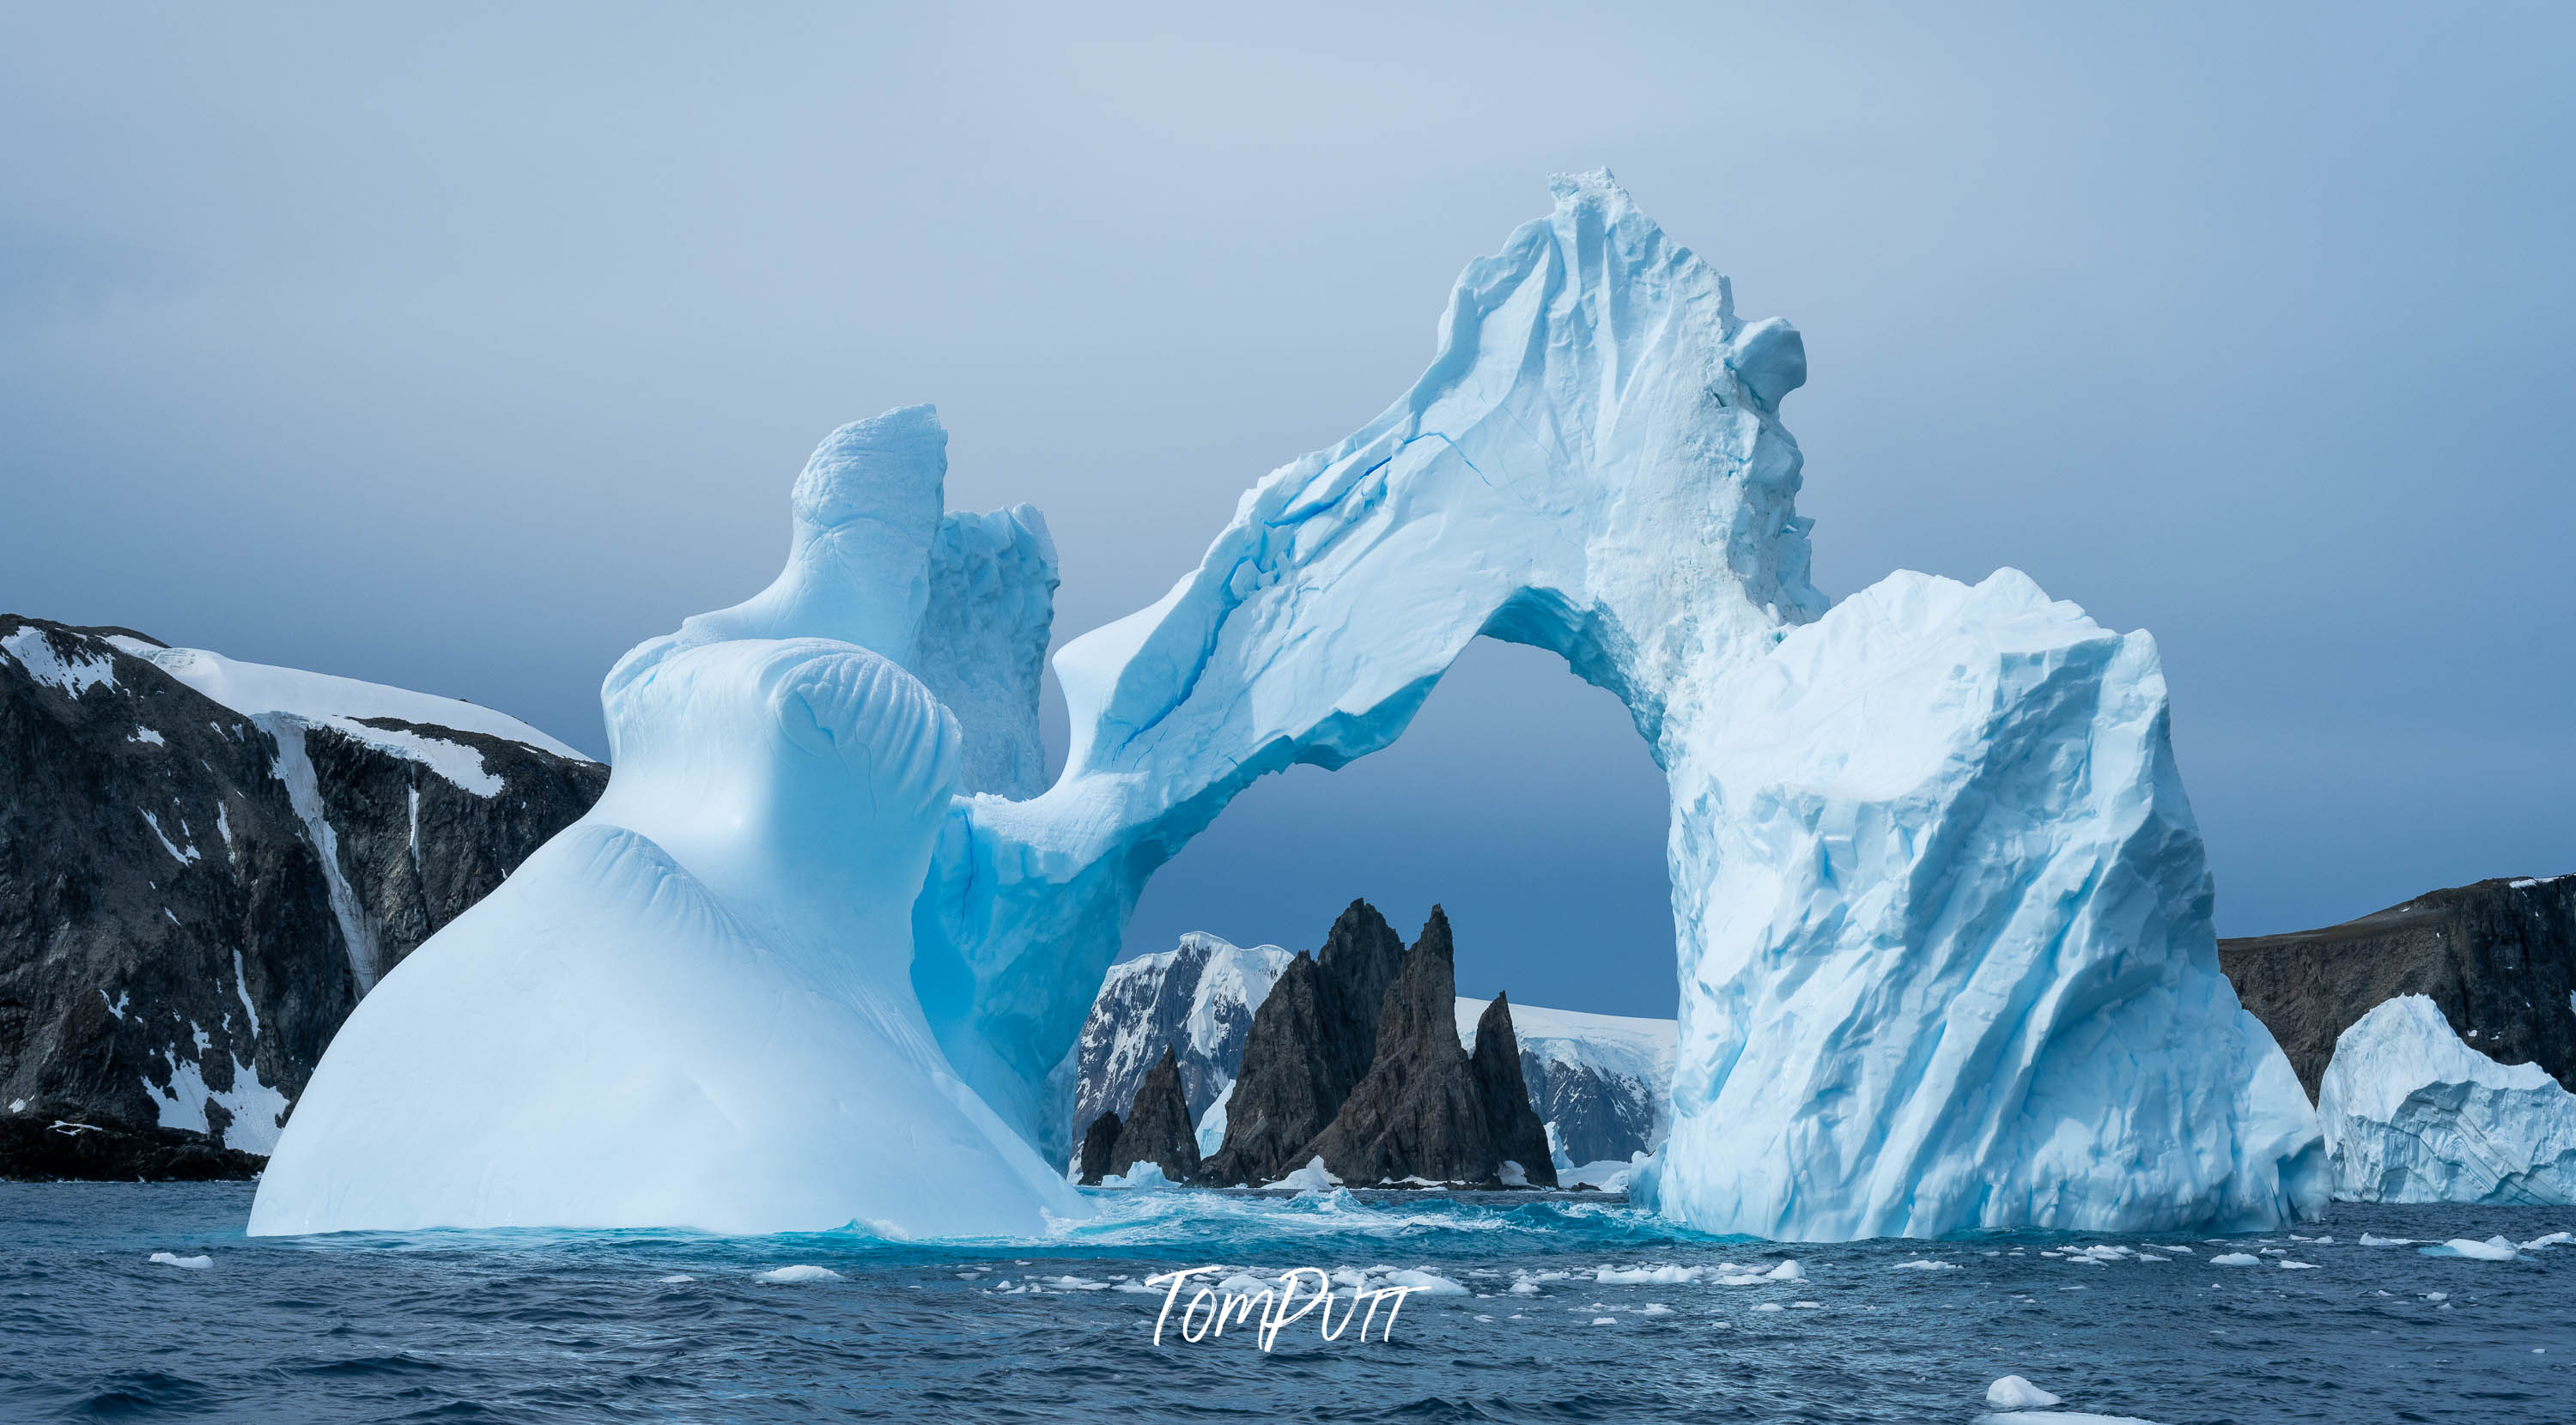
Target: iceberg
2413,1114
1941,908
692,1008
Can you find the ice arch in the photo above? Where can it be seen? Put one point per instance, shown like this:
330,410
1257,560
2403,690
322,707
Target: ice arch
1941,911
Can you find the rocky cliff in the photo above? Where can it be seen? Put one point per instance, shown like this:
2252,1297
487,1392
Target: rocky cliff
1426,1109
204,864
1157,1129
2498,958
1312,1038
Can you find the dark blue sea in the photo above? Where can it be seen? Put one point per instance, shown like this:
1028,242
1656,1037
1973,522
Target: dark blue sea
1571,1310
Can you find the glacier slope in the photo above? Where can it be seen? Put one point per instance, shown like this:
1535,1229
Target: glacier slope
2413,1114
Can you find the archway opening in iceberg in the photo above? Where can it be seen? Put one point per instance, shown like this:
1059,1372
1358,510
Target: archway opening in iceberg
1520,798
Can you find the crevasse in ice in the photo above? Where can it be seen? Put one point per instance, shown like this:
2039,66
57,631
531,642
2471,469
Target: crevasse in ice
1942,911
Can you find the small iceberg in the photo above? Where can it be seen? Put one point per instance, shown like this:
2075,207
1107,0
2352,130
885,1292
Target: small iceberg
2494,1249
2017,1393
788,1276
194,1264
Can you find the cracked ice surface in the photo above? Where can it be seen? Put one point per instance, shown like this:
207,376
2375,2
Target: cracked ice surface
1941,909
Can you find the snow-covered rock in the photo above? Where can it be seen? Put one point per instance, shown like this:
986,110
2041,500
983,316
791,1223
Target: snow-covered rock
1196,999
1600,1082
208,862
2413,1114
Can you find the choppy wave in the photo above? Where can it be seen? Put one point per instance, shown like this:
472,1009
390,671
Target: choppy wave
1558,1310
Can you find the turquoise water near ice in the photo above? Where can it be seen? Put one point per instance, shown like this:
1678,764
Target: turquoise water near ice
545,1327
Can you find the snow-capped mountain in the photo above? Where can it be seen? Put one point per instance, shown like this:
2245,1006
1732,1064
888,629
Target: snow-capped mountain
204,863
1196,998
1602,1083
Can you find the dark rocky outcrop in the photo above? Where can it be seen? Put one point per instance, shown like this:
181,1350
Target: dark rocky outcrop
1422,1109
1519,1136
40,1150
193,899
2498,958
1157,1128
1099,1148
1310,1041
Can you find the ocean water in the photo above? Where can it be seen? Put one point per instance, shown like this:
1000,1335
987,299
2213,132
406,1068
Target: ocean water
538,1326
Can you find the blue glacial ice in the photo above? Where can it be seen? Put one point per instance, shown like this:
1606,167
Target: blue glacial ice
1942,911
2413,1114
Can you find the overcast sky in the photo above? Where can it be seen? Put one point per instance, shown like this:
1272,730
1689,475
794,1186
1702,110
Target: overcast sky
462,347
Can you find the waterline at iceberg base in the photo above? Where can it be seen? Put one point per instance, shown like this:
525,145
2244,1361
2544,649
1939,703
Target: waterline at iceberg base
1942,912
1571,1311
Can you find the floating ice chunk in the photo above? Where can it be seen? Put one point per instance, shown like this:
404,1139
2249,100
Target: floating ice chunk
1656,1308
2368,1240
1426,1283
2057,1417
1082,1284
1138,1175
1605,1320
1525,1287
2016,1393
194,1264
788,1276
2236,1259
1634,1276
1766,1306
2552,1240
1787,1271
675,1278
2297,1266
1806,1306
1314,1177
2494,1249
1925,1264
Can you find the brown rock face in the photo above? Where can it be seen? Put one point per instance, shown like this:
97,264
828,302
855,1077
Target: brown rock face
2498,958
1158,1129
